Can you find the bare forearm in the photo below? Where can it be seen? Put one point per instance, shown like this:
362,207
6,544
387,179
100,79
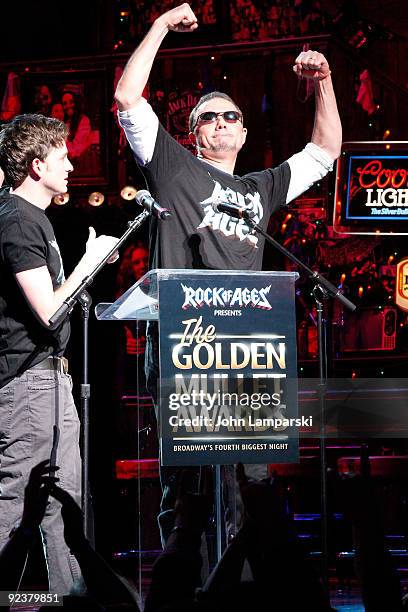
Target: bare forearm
37,285
137,70
80,272
43,300
327,132
134,78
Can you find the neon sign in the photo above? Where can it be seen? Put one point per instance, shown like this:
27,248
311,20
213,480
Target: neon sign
384,177
372,188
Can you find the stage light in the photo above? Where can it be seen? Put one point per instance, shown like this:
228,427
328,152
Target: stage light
96,198
128,193
61,199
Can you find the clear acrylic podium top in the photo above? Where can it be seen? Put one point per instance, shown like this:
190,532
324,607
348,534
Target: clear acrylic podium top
141,301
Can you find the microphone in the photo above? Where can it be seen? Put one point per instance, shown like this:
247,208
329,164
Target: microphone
144,198
236,211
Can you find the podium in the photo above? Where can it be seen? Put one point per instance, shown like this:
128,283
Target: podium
228,374
227,345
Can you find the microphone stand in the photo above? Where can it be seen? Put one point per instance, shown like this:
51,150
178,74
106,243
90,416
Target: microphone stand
322,291
82,296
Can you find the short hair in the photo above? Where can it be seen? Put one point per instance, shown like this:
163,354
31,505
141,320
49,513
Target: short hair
24,139
213,94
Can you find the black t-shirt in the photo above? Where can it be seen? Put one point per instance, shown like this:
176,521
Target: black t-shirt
27,241
197,235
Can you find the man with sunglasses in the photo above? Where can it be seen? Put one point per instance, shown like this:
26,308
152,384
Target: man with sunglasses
197,235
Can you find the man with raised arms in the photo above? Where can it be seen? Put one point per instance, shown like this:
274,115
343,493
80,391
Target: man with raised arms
197,235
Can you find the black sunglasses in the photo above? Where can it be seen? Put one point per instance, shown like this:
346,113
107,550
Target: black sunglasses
230,116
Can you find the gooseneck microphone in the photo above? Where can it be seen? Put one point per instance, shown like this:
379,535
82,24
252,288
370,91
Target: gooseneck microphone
145,199
239,212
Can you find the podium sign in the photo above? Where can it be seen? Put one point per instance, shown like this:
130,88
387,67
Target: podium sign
228,389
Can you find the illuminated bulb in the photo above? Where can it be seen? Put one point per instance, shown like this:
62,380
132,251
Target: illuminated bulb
360,291
96,198
390,259
128,192
353,374
61,199
386,133
283,228
303,240
343,278
388,146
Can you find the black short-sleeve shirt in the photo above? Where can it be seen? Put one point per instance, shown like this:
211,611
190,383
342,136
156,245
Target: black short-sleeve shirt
27,241
197,235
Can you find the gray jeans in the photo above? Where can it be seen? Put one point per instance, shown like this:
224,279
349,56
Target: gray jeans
27,417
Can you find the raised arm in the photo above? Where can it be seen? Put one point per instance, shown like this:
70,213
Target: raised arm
135,76
327,132
316,159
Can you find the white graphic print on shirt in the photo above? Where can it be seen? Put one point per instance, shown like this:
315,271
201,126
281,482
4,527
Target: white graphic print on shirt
61,275
228,226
